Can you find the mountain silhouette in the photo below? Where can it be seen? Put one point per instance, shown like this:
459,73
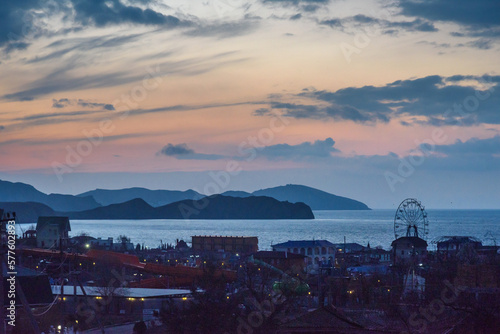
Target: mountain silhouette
211,207
316,199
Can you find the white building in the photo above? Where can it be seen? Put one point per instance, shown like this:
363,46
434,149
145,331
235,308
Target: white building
318,252
52,232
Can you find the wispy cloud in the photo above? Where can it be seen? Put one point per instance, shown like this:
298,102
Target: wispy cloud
471,147
183,152
478,20
302,151
64,102
440,100
352,24
63,78
20,22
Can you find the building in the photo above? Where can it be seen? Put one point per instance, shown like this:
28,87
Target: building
408,248
209,243
281,260
126,301
453,244
349,247
99,243
318,252
369,256
52,232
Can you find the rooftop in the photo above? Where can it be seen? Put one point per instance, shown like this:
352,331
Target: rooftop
62,222
415,241
220,236
457,239
304,243
95,291
277,255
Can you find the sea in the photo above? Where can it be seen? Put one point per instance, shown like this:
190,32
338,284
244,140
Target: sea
375,227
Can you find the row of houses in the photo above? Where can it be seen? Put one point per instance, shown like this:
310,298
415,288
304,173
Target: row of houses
53,232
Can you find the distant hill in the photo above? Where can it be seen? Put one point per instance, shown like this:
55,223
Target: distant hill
152,197
212,207
133,209
27,212
141,203
226,207
235,193
316,199
21,192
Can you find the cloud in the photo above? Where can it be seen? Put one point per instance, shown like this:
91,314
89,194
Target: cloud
66,140
174,150
56,115
25,20
105,106
61,79
482,43
2,127
224,29
352,24
439,100
110,12
183,152
473,146
305,150
477,19
318,149
62,103
14,24
75,46
296,2
262,112
481,13
333,23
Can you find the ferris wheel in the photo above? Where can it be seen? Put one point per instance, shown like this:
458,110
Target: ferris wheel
411,220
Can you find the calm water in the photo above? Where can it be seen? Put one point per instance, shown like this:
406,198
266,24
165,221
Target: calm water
376,227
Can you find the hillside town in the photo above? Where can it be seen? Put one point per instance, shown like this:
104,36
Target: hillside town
225,284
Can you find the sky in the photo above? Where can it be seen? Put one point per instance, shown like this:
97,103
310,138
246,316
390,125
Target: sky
374,100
